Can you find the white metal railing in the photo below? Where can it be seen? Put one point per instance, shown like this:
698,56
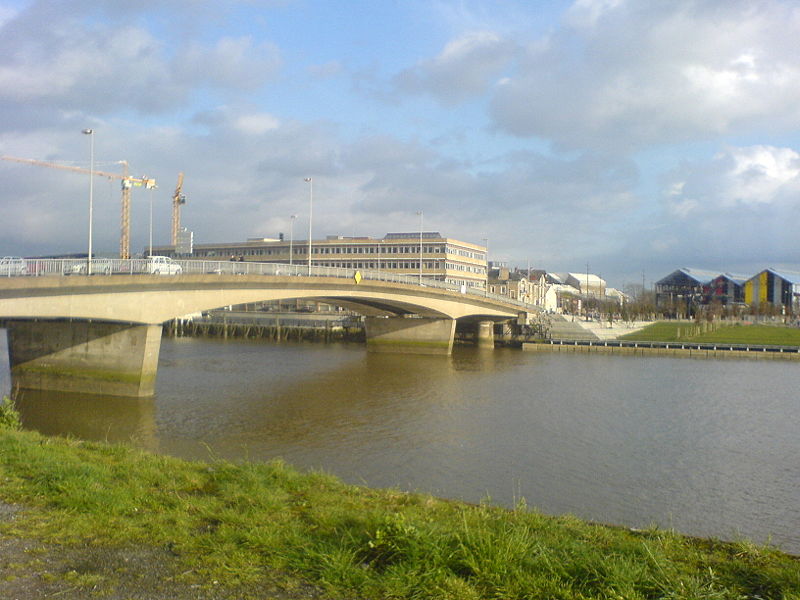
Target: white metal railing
143,266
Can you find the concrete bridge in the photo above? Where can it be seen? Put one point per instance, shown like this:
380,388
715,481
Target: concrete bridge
102,333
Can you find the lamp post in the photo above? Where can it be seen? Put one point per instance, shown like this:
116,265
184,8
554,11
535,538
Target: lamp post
90,133
486,260
150,250
291,236
587,291
420,246
310,182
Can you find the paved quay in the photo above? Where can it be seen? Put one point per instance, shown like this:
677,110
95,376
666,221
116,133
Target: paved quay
569,327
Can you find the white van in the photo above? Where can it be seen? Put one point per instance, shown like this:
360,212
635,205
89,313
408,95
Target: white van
162,265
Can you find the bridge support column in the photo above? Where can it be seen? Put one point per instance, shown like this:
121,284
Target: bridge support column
410,336
485,334
114,359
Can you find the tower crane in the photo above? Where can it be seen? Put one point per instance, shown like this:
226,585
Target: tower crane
127,183
177,199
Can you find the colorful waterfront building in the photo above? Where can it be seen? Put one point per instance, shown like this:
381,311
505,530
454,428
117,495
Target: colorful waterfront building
773,287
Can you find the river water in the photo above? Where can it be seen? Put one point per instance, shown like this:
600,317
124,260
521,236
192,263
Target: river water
707,447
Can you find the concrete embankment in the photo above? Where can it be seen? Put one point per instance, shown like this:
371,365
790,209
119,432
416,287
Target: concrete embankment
668,349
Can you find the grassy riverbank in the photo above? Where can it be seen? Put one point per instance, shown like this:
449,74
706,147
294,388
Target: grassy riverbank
687,331
243,529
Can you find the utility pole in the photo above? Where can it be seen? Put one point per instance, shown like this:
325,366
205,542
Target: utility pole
310,183
643,288
90,133
587,291
420,246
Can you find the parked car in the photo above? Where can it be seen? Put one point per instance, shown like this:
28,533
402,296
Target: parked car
11,266
162,265
104,266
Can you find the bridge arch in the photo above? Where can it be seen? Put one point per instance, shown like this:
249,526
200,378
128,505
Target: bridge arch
151,299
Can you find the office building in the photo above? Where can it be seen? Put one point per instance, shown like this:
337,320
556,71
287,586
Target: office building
443,259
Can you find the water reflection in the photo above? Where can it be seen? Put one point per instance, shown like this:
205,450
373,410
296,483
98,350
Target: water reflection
108,418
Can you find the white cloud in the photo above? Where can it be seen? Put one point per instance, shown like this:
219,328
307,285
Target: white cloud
762,175
237,63
586,13
466,67
738,207
256,124
58,64
99,67
6,14
736,177
626,74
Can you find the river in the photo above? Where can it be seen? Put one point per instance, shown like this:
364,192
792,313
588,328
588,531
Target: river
707,447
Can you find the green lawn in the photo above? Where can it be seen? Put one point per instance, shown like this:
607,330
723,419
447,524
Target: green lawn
667,331
255,524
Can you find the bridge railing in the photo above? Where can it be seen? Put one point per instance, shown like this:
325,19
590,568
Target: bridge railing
144,266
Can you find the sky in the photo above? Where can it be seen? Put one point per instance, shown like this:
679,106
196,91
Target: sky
629,137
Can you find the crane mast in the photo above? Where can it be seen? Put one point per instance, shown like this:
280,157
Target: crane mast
177,199
127,182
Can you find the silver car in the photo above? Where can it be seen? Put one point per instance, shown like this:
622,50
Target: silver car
11,266
100,266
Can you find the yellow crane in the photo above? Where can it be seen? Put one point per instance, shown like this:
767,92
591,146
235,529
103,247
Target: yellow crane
127,183
177,199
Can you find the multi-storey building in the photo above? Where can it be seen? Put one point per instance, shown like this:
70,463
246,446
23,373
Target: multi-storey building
683,287
441,258
777,288
513,284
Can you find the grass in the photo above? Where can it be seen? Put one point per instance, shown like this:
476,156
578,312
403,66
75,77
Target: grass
242,524
668,331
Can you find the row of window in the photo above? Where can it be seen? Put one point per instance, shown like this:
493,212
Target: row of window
468,254
400,265
465,282
369,250
405,265
302,249
468,268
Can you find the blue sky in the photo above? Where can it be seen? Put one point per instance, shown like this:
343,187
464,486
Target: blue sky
630,135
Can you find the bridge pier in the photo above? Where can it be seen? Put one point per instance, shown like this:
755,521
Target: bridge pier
114,359
410,335
485,335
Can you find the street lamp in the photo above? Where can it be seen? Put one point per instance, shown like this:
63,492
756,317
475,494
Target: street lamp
310,182
291,236
420,246
90,133
486,260
150,251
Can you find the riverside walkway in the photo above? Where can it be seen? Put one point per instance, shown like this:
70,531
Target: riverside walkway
695,349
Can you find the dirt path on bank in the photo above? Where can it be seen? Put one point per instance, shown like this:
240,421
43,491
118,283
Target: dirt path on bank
31,570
